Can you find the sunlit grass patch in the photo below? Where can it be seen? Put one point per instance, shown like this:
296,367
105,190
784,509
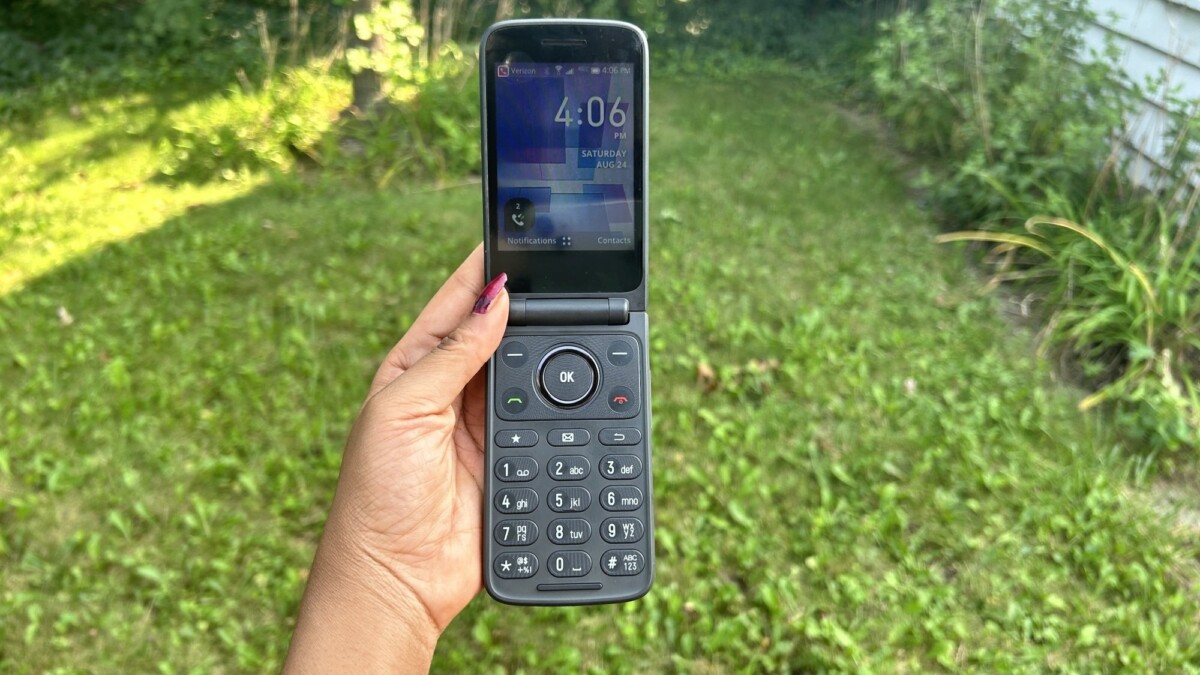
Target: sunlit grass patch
79,183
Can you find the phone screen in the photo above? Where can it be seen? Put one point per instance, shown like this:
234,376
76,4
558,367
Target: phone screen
564,156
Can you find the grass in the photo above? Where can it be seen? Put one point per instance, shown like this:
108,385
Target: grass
859,463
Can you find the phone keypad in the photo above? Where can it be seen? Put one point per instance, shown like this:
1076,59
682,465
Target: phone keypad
569,430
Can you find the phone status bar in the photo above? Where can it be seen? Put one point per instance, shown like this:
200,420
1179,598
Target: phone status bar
561,70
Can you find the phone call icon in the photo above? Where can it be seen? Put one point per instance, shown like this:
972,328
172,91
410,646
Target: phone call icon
519,214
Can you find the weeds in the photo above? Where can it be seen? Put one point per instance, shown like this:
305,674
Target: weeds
1028,125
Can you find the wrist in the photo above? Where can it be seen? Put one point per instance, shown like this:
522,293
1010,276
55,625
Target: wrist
358,617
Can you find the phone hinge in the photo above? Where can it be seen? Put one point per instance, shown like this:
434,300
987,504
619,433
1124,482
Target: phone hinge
568,312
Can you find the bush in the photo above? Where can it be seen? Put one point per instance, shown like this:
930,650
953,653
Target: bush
428,128
1006,95
265,129
1120,294
1026,123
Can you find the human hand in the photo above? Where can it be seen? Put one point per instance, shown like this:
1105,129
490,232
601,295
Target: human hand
400,556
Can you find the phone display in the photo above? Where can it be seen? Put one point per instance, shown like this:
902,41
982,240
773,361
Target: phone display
564,154
568,515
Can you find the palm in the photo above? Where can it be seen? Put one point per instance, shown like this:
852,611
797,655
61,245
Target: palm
424,520
405,532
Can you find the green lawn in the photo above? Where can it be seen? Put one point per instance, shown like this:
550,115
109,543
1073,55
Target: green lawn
859,463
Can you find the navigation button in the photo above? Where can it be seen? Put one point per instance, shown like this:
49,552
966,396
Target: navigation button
514,354
567,377
621,352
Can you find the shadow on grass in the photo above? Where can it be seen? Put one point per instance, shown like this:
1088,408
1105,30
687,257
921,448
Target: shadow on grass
204,375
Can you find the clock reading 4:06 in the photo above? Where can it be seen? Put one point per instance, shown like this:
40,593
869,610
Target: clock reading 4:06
597,108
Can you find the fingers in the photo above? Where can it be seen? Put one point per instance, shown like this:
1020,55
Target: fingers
433,383
440,316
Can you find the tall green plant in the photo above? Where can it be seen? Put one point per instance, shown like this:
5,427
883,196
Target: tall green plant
1006,93
1121,295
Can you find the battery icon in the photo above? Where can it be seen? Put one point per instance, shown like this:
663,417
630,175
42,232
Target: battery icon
595,70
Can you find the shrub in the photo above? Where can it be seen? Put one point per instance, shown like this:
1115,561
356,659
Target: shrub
429,127
264,129
1006,94
1120,295
1003,95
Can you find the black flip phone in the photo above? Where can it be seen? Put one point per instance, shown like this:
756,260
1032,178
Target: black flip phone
568,516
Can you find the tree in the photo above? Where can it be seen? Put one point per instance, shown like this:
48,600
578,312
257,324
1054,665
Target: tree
368,81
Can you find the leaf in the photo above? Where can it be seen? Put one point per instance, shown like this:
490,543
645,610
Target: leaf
1139,351
1001,237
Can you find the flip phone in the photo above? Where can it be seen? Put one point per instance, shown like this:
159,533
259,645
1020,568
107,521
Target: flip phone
569,513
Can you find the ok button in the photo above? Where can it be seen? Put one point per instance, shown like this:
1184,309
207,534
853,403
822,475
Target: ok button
568,376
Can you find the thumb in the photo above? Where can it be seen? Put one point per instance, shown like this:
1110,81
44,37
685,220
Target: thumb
438,378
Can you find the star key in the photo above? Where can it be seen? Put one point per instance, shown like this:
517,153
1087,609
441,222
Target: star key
516,438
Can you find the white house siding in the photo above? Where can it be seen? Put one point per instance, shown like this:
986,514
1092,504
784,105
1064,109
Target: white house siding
1154,36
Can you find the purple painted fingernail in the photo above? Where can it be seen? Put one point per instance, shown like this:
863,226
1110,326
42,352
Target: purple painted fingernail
489,294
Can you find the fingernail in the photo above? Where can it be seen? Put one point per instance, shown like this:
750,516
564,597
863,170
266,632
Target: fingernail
489,294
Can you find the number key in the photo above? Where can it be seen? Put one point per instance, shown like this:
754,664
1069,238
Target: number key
569,499
621,498
569,467
516,532
569,531
621,530
516,500
569,563
621,467
516,469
